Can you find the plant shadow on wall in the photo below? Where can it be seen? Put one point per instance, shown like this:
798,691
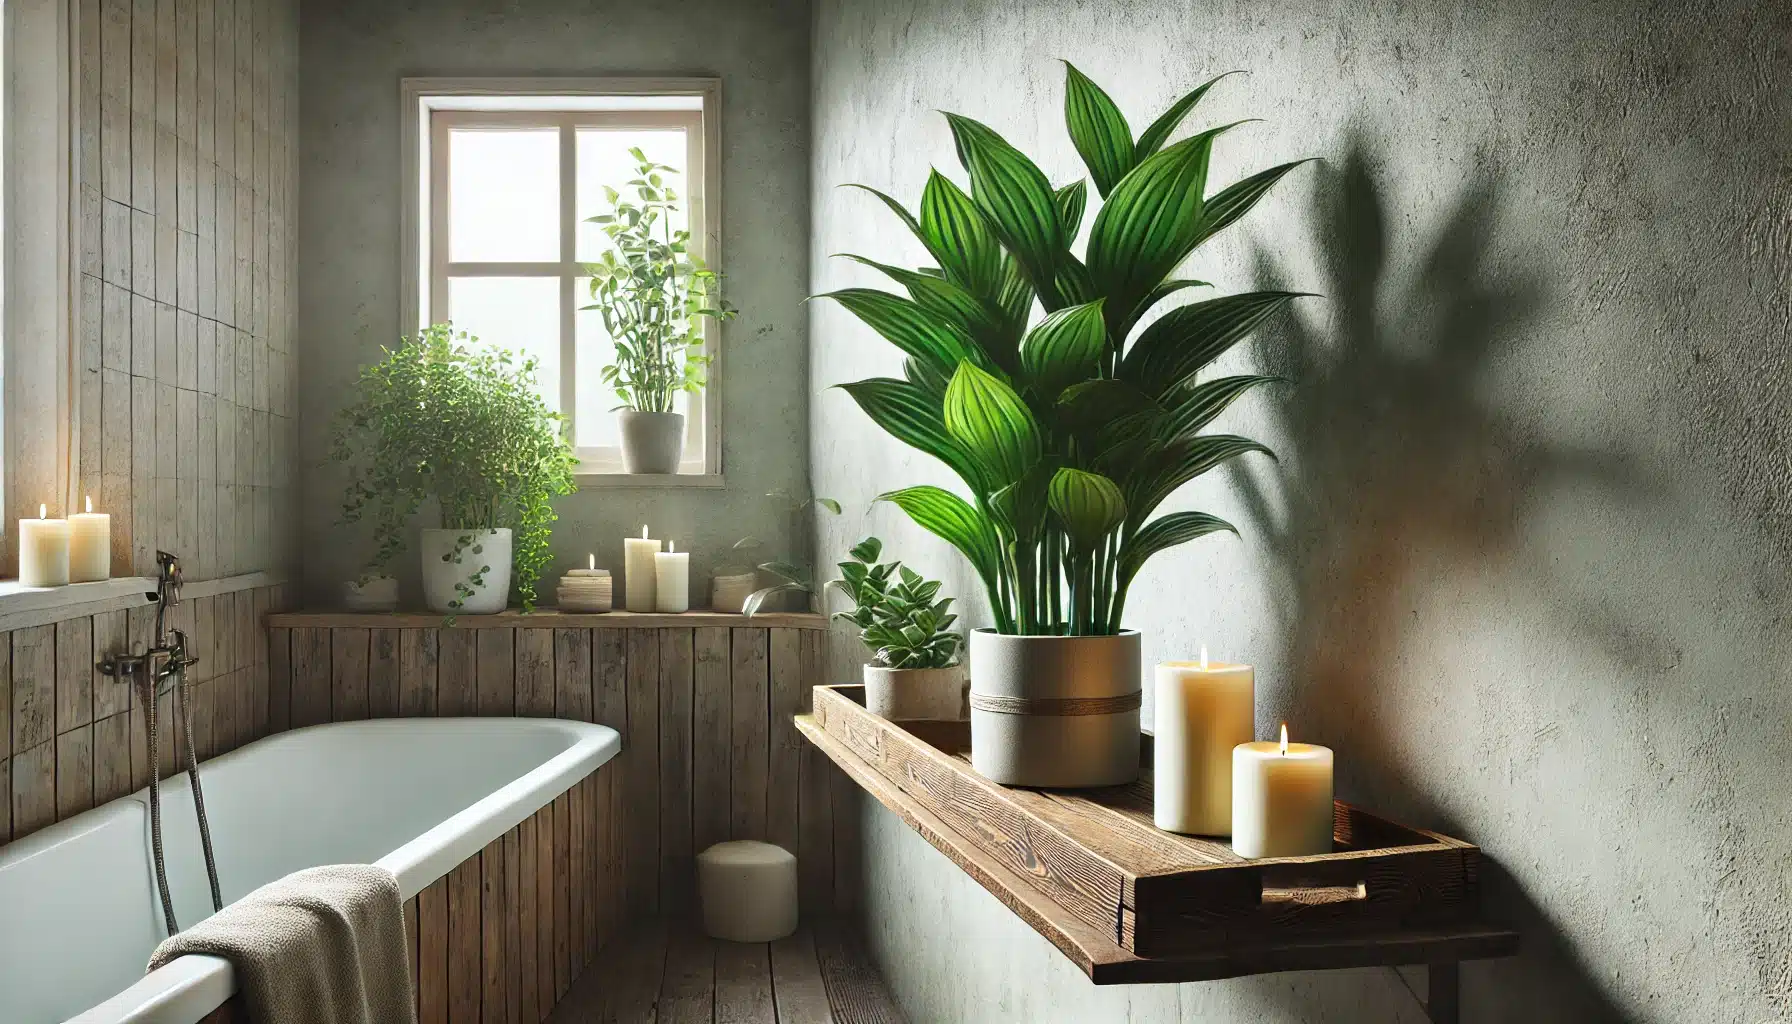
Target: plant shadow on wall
1395,455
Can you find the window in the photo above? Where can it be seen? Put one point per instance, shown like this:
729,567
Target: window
507,173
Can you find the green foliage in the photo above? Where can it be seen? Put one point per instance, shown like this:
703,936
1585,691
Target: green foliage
896,612
1070,434
652,292
441,418
792,578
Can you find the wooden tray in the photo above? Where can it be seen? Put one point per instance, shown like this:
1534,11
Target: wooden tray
1096,853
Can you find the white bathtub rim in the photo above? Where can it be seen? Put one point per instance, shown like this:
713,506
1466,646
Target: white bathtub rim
186,989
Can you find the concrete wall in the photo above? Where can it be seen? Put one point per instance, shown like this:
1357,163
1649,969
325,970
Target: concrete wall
353,55
1524,562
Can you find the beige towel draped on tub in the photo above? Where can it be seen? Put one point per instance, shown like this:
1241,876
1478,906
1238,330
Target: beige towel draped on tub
320,946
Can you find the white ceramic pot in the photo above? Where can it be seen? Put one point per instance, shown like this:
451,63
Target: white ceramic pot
652,442
729,593
900,694
1055,711
479,559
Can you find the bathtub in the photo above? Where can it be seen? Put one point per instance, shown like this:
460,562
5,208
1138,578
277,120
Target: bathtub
79,912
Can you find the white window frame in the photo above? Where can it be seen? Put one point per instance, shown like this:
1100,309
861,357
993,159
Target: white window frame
433,106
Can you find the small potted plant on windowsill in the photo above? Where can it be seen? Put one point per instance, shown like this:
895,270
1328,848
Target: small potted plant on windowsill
915,671
654,295
439,418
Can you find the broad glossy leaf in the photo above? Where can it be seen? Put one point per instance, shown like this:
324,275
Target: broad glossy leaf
1158,294
1022,504
1178,344
1015,197
1150,223
828,503
952,519
1153,138
1193,408
927,377
1091,405
786,571
1168,467
1088,504
1065,349
913,417
756,600
1097,128
948,300
867,550
1162,533
1071,200
957,234
904,323
991,422
1235,200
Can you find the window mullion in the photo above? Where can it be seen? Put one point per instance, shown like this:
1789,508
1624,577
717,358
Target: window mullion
569,242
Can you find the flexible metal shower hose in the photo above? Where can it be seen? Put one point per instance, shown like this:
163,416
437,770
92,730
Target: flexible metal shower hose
183,705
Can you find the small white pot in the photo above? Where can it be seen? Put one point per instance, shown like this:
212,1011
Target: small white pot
907,694
729,593
484,554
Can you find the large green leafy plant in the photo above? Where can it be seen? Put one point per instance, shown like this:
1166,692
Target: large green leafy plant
1068,433
898,613
652,292
439,417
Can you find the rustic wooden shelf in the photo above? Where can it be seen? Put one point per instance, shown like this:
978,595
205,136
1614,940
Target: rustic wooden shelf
547,618
1129,904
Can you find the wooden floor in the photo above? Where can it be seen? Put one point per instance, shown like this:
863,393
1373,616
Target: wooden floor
672,974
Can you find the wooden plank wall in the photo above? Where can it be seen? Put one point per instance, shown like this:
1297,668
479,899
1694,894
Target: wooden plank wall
186,141
709,750
71,738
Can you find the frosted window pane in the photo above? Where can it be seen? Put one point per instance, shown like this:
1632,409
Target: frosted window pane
603,159
521,314
594,424
504,195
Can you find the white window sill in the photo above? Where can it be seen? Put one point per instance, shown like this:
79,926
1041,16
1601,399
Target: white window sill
25,606
598,481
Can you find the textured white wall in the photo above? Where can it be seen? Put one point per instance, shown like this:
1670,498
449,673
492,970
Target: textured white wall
1524,561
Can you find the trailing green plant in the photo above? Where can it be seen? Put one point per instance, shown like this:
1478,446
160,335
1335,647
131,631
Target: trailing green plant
793,578
895,610
653,293
1071,432
438,417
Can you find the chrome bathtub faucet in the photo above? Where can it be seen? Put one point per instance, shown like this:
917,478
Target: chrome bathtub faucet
168,662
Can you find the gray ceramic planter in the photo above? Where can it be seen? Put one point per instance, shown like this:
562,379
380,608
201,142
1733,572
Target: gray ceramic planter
1055,711
652,442
900,694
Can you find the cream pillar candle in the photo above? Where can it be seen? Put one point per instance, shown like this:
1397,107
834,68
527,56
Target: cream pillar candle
672,580
43,550
89,546
637,572
1281,799
1203,710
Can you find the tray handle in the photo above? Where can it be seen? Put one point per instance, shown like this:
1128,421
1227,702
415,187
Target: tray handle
1314,895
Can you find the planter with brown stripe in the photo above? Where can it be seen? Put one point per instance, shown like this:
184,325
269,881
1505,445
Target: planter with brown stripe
1055,711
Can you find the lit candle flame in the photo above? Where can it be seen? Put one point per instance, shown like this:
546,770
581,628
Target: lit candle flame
591,561
1203,656
643,531
43,511
1284,739
671,547
90,503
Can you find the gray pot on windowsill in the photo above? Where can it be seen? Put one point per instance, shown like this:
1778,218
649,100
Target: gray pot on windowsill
910,694
652,442
1055,711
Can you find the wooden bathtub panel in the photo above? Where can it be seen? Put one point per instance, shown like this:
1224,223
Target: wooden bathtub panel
568,687
562,895
528,930
545,903
464,941
497,672
382,674
410,946
348,674
279,679
494,956
535,672
457,686
432,953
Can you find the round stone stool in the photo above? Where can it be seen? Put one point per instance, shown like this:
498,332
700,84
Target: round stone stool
748,891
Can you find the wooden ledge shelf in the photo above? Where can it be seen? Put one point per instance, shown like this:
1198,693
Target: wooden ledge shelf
547,618
1130,904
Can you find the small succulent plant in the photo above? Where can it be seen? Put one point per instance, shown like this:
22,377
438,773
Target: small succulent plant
896,612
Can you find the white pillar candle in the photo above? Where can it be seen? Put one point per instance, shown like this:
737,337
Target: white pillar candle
1281,799
672,580
1203,710
637,572
89,546
43,550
